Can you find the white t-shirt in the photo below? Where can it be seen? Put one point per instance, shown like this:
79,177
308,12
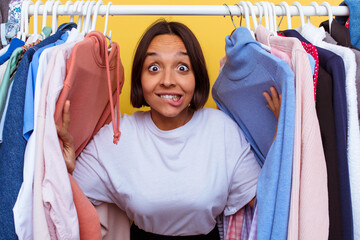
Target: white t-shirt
171,182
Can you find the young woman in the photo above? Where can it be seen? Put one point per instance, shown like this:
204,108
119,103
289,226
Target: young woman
177,166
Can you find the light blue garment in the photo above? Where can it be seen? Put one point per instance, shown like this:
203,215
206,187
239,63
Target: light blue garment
30,87
238,92
312,63
2,120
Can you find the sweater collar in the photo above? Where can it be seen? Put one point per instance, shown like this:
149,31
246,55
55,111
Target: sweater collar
239,47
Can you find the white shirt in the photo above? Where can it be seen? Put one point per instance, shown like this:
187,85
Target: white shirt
171,182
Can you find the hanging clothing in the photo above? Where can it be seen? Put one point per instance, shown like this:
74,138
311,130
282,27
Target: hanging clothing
23,209
309,178
237,90
13,146
334,65
325,115
341,35
191,207
30,87
2,120
8,77
83,87
316,35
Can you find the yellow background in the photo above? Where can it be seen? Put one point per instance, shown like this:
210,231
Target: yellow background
210,31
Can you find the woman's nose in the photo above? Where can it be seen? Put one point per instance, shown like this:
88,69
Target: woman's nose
168,78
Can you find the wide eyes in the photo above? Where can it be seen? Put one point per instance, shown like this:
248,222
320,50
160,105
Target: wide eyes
183,68
153,68
180,67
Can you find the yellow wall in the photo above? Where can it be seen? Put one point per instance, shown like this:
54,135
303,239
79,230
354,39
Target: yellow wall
210,30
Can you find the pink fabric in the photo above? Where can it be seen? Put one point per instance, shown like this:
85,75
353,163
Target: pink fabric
309,214
311,49
86,86
235,225
89,224
60,211
347,24
114,222
283,56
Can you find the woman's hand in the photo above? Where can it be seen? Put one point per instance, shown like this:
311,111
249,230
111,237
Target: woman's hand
274,101
67,139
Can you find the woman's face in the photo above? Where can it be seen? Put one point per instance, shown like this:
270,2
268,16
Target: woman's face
168,81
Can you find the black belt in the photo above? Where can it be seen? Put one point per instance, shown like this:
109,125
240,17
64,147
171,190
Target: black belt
139,234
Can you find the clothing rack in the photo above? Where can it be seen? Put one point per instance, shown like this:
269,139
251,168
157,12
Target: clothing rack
81,9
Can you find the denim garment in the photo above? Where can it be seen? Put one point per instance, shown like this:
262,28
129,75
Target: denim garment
238,92
334,65
13,148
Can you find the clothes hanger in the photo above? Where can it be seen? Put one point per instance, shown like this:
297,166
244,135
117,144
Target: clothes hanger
316,7
259,7
247,8
74,8
26,20
285,5
67,7
47,7
108,36
330,13
87,21
247,16
273,8
36,15
19,33
231,16
79,10
271,19
301,13
266,14
253,15
54,16
96,11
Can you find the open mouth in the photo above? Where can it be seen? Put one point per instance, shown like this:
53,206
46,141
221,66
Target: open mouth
173,97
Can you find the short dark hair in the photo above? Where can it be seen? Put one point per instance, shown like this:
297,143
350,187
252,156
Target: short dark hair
197,60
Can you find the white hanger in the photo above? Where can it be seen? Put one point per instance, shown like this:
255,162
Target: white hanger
79,11
54,16
299,7
266,14
259,7
25,34
87,20
96,11
47,7
67,7
36,15
317,8
106,25
273,8
74,10
288,14
330,13
271,19
246,14
19,33
253,15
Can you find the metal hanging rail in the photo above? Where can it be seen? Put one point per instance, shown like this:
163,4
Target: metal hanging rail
210,10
